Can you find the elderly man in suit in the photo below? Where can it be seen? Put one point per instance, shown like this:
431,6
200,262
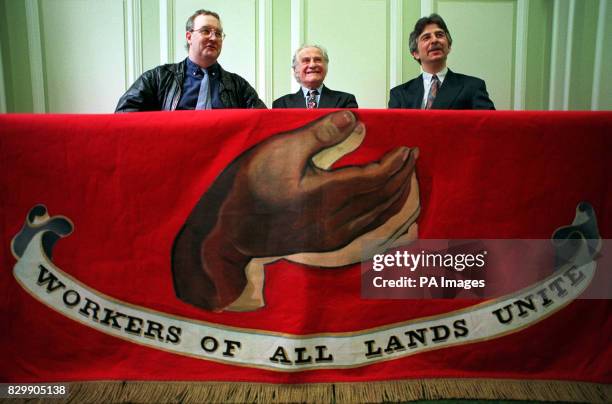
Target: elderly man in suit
310,68
437,87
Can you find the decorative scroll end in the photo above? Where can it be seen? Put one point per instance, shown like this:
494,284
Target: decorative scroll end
39,221
568,240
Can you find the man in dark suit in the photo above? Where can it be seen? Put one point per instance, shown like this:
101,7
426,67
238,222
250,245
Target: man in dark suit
310,68
437,87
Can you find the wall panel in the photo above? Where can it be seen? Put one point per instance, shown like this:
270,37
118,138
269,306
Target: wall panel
483,43
282,52
357,43
2,89
560,56
15,61
83,54
583,54
538,54
412,12
150,35
605,83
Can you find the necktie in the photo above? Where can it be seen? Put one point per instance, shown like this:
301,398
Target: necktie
204,94
312,99
433,91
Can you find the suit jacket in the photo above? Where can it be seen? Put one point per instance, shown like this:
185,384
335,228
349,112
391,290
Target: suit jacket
458,91
329,99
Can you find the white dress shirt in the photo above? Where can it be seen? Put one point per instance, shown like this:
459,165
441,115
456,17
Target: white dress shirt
427,83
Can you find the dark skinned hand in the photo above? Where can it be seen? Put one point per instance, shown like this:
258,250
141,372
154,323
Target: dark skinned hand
274,201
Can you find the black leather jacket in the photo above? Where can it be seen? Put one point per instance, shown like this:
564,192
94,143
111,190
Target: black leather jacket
160,89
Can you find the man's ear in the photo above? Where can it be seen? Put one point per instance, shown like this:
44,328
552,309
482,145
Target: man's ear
188,37
415,55
296,74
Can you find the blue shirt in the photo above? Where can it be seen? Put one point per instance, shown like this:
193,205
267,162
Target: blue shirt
191,85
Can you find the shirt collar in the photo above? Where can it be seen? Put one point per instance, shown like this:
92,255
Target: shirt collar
306,90
441,74
194,70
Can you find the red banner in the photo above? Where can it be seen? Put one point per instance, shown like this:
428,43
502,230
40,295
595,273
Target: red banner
145,198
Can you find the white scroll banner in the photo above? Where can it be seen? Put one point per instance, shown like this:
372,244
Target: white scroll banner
37,274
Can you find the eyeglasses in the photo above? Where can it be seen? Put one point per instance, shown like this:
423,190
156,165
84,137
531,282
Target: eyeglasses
207,32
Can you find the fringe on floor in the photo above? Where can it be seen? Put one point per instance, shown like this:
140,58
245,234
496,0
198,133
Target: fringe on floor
365,392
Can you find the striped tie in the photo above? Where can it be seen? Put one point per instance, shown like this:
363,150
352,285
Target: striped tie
433,91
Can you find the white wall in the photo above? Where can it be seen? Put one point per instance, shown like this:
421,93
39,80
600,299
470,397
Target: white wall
81,55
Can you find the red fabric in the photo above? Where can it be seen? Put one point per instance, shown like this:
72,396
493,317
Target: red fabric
128,182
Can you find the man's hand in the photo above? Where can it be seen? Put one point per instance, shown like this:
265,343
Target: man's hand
274,201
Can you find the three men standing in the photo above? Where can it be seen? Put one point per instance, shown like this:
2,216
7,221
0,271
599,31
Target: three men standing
198,82
437,87
310,68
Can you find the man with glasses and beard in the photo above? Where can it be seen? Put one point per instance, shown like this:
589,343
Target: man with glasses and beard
198,82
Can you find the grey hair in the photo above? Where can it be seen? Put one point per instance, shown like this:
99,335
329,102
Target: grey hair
294,63
191,19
